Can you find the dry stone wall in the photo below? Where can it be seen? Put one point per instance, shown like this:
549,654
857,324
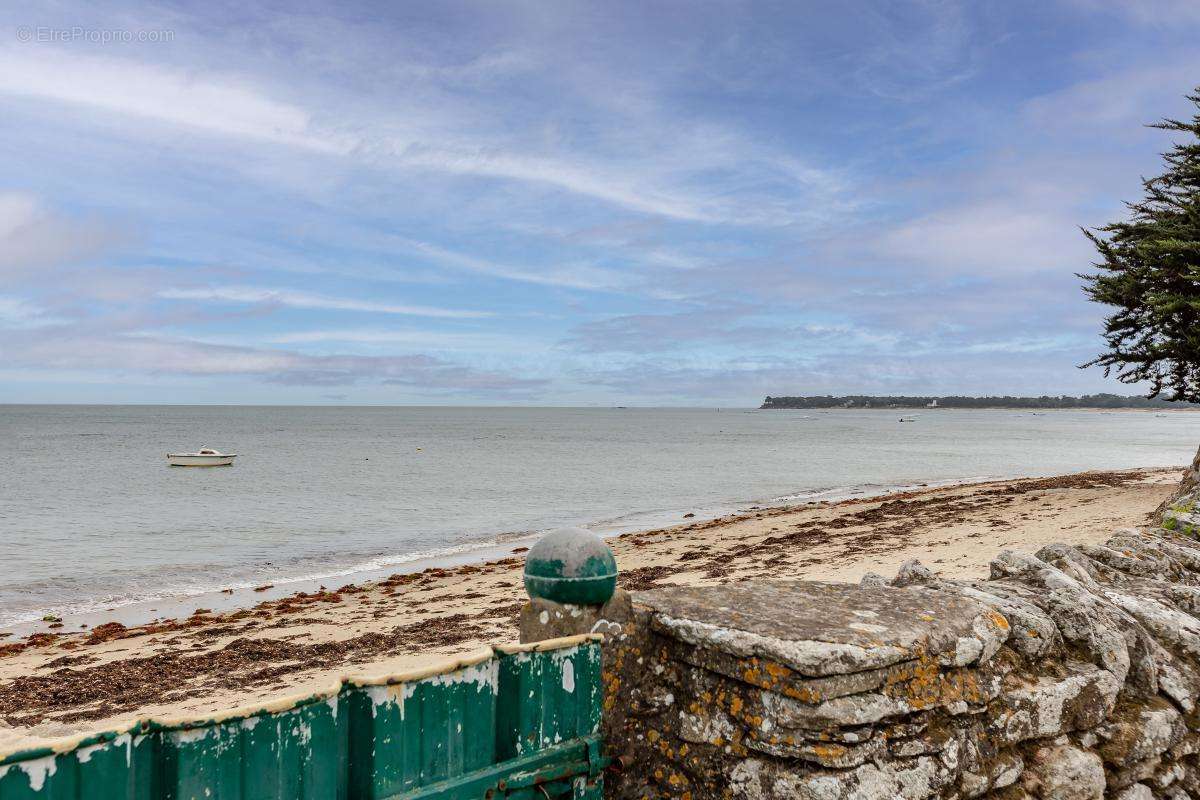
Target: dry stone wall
1071,674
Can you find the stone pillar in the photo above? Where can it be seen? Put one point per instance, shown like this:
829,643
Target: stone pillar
571,578
545,619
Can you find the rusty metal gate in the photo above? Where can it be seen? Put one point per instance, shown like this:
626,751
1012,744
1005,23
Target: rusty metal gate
518,722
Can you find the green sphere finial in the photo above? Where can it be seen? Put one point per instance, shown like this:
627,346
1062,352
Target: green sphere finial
571,565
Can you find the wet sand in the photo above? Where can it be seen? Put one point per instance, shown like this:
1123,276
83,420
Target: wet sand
57,682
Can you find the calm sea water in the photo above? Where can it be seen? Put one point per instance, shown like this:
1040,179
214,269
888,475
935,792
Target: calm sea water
91,516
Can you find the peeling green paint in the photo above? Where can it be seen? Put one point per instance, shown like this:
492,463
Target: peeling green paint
524,724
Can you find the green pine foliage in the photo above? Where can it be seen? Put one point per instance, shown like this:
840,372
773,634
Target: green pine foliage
1150,272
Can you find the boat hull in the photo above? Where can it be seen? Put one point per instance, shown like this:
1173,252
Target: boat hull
199,461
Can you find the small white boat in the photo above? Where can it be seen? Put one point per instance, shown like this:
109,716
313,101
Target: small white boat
204,457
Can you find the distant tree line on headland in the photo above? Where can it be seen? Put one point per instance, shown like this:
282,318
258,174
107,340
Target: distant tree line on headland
956,401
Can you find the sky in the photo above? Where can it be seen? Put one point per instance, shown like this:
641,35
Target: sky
565,203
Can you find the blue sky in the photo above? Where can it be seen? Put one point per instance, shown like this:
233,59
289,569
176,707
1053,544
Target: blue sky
566,203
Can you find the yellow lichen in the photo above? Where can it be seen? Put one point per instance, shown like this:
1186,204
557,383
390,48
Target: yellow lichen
829,750
777,670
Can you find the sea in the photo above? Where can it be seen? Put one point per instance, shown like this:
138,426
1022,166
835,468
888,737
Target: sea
93,519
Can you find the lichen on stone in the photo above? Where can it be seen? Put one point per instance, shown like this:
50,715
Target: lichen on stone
1071,674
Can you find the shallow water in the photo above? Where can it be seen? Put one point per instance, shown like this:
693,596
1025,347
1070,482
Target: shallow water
91,517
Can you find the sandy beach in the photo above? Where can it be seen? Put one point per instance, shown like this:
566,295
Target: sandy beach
60,680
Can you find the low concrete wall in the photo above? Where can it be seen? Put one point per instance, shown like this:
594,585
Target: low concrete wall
1073,673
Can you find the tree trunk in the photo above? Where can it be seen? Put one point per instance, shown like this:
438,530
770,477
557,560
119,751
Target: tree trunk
1189,485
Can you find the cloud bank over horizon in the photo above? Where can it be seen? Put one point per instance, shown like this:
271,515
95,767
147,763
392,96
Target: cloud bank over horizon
575,203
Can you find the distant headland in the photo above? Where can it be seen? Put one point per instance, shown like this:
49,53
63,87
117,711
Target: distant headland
956,401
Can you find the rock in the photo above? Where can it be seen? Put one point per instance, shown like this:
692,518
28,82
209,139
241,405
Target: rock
1168,775
1071,561
1032,632
1139,564
1138,791
1133,772
874,580
1167,624
1180,558
1083,618
1141,733
826,754
913,573
1185,494
1051,707
710,727
927,688
907,779
857,629
1064,772
1002,771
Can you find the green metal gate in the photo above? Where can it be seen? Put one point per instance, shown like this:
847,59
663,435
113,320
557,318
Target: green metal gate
513,722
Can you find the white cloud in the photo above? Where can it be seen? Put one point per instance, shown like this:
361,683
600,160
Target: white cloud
68,349
580,276
657,176
219,105
32,237
16,312
1154,13
608,185
1002,235
16,211
298,299
1112,109
426,340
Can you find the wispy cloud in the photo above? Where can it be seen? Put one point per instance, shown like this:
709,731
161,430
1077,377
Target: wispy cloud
422,339
224,106
16,312
33,237
147,355
580,276
577,201
230,106
296,299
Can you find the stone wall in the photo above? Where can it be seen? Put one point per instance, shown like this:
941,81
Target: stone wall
1073,673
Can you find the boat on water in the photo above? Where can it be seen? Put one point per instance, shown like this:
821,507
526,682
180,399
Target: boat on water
204,457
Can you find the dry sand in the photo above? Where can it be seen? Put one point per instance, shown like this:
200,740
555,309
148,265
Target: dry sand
54,683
